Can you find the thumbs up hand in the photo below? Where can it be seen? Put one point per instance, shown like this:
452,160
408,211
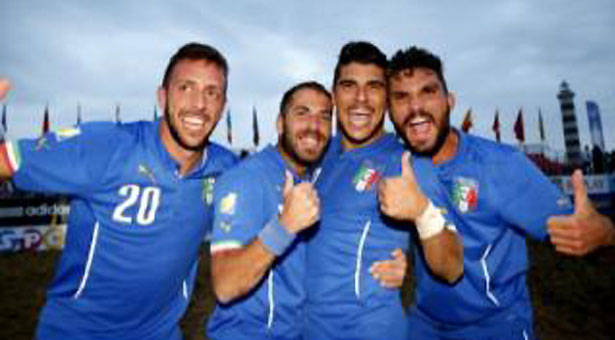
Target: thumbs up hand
301,205
400,197
585,230
5,87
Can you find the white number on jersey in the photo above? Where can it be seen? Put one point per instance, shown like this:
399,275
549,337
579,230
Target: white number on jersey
148,204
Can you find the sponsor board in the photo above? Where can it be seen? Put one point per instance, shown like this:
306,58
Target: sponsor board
32,238
595,184
37,210
600,189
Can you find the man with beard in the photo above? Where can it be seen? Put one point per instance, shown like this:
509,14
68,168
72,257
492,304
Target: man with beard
139,208
261,207
258,247
344,300
496,197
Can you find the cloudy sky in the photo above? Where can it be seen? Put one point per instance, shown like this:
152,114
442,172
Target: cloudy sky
503,55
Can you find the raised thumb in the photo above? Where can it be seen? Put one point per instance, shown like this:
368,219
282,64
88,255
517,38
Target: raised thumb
581,201
406,165
288,182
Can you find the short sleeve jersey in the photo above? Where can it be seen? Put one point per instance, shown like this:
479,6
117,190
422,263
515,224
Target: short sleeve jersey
496,198
246,199
344,299
134,228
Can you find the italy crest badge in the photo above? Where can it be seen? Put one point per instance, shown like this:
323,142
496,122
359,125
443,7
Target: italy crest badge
366,178
465,194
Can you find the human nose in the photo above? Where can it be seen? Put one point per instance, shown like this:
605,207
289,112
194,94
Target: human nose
362,94
415,103
198,100
314,121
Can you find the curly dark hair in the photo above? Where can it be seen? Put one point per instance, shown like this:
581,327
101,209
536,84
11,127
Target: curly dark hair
413,58
361,52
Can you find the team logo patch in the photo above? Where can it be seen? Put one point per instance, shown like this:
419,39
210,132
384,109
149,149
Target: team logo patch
208,190
465,194
227,204
145,171
66,133
41,143
366,178
225,227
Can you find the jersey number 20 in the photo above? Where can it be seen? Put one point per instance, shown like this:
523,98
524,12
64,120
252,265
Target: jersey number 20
147,198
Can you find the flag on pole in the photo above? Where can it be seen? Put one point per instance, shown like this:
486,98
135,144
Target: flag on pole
155,112
229,127
117,114
46,120
4,127
255,127
467,124
519,129
78,114
541,126
496,126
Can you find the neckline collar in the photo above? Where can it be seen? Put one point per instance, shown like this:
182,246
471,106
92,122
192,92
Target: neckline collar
169,161
382,142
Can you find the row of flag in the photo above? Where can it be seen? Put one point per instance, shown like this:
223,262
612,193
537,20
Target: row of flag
466,125
229,128
518,128
118,120
46,123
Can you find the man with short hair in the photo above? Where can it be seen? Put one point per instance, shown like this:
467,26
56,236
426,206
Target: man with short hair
496,197
261,207
345,300
140,206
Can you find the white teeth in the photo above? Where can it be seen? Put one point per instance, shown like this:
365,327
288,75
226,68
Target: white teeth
418,120
193,122
359,119
309,141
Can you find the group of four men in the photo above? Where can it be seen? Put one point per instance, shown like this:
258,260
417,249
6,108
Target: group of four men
303,231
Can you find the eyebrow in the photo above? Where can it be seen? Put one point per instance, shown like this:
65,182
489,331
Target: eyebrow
300,108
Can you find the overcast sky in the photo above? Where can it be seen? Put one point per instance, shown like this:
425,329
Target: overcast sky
503,55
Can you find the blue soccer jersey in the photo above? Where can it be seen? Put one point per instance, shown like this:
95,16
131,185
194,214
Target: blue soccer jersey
497,197
247,198
134,228
344,300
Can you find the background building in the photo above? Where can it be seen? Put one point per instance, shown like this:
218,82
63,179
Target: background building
569,122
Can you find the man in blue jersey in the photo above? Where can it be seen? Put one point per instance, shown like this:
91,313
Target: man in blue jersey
258,247
261,207
495,197
141,195
344,300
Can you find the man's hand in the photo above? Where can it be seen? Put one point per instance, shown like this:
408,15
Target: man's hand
390,273
585,230
301,205
5,87
400,197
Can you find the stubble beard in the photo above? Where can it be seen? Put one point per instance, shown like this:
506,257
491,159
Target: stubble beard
440,137
177,138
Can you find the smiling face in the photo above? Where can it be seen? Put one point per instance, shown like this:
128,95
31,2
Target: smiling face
193,101
305,127
360,99
420,109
